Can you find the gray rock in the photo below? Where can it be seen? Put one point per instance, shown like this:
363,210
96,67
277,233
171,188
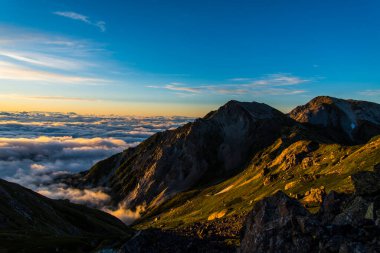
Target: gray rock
366,182
279,224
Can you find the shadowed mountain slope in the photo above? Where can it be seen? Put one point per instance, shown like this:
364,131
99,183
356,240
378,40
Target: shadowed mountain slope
199,153
30,222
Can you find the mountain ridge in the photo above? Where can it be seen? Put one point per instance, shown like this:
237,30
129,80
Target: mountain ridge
195,185
353,120
224,134
230,137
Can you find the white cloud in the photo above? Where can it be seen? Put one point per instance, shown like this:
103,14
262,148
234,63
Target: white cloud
15,72
91,197
80,17
72,15
28,56
101,25
370,92
37,147
279,80
125,214
36,166
274,84
16,96
179,87
45,60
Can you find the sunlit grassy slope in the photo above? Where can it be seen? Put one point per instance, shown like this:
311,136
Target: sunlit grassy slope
294,166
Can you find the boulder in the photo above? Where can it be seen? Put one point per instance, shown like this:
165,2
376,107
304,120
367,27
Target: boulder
315,195
344,223
279,224
366,182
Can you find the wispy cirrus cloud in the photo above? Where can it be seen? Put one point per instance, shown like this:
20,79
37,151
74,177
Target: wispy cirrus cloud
278,80
370,92
101,25
274,84
45,60
29,56
178,87
15,72
65,98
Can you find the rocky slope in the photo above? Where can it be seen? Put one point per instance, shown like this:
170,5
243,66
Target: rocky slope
345,222
30,222
350,120
199,153
198,182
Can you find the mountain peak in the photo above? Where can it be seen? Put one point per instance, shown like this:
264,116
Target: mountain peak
356,120
253,109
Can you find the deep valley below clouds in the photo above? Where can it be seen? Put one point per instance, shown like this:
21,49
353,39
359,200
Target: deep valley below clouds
37,147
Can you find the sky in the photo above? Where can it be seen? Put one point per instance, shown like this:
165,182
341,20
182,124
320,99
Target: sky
161,57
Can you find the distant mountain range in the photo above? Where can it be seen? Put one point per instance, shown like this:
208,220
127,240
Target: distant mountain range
194,186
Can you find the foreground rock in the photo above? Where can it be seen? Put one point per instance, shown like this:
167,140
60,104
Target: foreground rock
345,223
156,241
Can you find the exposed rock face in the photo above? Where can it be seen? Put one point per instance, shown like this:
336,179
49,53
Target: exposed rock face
201,152
345,223
352,120
279,224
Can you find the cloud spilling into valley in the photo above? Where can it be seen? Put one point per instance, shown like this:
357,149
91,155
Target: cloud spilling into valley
125,214
36,148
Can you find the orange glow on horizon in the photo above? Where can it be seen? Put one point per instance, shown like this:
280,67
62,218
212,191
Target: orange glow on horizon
107,108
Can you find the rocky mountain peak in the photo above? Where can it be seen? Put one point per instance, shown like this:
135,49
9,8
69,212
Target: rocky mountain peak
354,120
254,110
200,152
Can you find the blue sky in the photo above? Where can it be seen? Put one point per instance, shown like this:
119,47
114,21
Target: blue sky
156,57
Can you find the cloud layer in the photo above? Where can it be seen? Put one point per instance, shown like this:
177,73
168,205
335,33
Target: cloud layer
37,147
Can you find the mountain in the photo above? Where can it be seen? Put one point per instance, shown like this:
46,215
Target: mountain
199,153
196,184
30,222
350,120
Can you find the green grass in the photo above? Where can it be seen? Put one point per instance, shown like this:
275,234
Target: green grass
332,169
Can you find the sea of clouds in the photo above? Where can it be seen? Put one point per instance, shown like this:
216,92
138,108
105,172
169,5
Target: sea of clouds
37,147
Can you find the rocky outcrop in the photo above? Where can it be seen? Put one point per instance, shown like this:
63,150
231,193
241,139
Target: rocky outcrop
349,120
344,223
279,224
205,151
314,196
